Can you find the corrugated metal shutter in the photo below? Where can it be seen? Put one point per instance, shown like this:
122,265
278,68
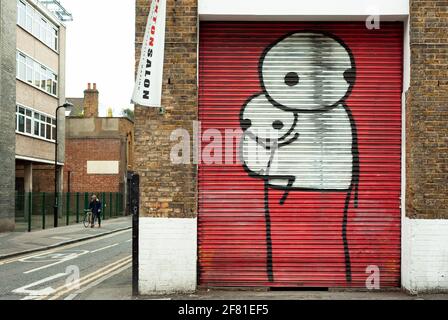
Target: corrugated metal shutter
251,231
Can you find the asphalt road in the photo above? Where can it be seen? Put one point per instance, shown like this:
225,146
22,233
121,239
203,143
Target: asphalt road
65,272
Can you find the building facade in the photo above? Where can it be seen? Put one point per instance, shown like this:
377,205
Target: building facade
40,89
335,175
99,150
7,114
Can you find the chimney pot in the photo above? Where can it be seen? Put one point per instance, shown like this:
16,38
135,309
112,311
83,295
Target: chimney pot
89,85
94,86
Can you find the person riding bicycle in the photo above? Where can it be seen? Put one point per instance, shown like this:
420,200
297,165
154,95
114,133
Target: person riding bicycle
95,207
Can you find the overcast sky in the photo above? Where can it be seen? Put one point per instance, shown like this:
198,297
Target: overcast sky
100,48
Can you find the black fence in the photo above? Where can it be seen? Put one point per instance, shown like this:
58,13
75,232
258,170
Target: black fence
35,210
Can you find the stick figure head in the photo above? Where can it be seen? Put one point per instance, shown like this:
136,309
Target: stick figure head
307,71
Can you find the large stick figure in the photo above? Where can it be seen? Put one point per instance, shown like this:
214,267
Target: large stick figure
299,134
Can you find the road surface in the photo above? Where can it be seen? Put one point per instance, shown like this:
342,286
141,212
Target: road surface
66,272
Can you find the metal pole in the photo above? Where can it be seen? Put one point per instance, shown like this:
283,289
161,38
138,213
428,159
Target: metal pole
134,205
56,204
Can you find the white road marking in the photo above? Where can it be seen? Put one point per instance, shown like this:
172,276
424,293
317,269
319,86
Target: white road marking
62,247
70,257
63,290
101,249
128,241
38,293
97,282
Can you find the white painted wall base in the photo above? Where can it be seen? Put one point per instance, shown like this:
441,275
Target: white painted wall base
425,255
167,255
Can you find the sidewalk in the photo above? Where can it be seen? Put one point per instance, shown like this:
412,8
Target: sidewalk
118,287
23,242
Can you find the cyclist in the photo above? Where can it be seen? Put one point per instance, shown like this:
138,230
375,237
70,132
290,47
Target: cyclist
95,207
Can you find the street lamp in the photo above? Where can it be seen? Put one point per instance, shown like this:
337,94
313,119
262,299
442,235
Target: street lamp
68,107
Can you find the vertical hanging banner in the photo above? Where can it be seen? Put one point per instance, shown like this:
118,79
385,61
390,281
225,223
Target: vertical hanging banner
148,84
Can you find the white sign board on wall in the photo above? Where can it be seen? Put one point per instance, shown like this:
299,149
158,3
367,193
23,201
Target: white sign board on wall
103,167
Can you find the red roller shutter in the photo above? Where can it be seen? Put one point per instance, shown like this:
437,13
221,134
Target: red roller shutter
317,237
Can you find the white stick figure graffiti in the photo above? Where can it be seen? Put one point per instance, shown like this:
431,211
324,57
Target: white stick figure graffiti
299,134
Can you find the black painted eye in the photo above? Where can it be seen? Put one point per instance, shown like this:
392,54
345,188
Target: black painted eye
277,125
350,75
292,79
246,124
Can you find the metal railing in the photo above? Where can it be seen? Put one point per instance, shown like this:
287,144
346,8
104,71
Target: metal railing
34,210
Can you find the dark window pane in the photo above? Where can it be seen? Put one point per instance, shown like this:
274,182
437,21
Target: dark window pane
28,126
21,123
48,132
36,128
42,130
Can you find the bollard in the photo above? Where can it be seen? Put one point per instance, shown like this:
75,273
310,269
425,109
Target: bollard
43,211
67,207
30,210
77,207
110,205
103,199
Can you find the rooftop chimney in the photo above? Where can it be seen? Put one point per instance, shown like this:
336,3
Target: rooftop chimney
91,101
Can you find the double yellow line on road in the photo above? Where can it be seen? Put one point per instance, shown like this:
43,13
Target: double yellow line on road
65,290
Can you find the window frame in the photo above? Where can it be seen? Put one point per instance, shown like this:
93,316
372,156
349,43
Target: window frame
42,75
36,24
45,124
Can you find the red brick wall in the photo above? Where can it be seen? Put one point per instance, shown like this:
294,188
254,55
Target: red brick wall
43,178
78,152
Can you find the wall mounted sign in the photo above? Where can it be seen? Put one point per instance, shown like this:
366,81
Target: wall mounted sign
148,84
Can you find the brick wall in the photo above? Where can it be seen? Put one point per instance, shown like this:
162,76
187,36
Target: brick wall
7,113
168,190
91,101
43,178
79,151
427,112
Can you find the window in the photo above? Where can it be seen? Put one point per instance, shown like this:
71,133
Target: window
21,66
21,13
29,18
36,74
35,23
43,77
29,70
35,124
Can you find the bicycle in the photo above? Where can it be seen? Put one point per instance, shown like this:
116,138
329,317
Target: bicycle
87,221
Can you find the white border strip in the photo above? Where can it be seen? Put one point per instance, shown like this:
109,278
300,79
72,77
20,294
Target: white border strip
38,160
